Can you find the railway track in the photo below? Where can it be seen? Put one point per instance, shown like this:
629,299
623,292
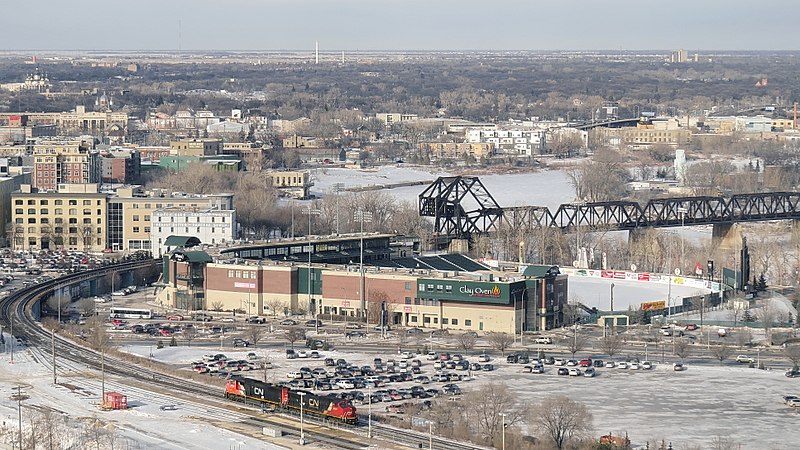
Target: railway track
19,308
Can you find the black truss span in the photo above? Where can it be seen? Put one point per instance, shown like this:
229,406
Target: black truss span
462,207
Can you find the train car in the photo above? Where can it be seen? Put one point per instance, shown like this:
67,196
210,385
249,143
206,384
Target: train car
249,390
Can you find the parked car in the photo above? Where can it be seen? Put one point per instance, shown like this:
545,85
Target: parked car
290,354
744,359
793,373
538,368
483,357
575,372
563,371
678,367
174,317
788,398
610,364
543,340
414,331
692,327
255,319
589,372
598,363
647,365
432,356
288,322
794,403
451,389
585,362
239,342
313,323
488,367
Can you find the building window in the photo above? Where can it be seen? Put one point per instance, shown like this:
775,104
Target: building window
19,211
87,203
408,300
59,202
59,211
31,211
445,321
135,229
31,202
73,241
454,321
413,318
73,230
426,319
87,212
73,220
87,221
59,220
408,285
135,218
146,229
31,220
43,202
73,211
73,203
18,202
467,323
147,217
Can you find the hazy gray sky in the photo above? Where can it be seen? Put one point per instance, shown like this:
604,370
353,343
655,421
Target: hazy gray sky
400,24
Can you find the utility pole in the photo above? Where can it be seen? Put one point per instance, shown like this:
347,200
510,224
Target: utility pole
337,187
53,341
11,337
311,212
103,373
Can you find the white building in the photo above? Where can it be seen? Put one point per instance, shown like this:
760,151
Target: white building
214,226
513,141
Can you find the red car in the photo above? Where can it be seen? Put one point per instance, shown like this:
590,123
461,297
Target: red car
692,327
175,317
118,322
165,333
585,362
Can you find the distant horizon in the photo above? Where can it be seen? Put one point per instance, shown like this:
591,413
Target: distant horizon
337,51
424,25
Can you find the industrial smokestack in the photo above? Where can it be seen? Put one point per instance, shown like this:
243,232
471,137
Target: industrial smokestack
316,52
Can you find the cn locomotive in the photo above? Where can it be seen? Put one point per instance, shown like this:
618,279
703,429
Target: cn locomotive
249,390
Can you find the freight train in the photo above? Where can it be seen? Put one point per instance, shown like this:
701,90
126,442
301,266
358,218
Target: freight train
249,390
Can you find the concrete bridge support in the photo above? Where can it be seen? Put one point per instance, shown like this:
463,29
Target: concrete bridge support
795,233
726,236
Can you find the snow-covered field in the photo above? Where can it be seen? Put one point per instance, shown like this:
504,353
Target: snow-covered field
77,396
686,408
596,292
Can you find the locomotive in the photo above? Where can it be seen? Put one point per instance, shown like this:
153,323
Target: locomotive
249,390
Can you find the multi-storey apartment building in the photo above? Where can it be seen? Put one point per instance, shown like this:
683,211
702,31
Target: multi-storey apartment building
522,142
214,225
64,162
71,218
457,149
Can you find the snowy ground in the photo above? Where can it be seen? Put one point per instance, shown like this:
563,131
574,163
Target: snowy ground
686,408
77,397
596,292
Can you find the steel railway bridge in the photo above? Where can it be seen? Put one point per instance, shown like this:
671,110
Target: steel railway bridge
462,207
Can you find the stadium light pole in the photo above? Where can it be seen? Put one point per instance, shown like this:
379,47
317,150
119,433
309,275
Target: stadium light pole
369,413
362,216
503,429
337,187
311,212
302,435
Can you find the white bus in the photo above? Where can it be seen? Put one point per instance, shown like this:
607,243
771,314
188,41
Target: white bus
130,313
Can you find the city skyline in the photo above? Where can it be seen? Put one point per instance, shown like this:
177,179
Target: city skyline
363,25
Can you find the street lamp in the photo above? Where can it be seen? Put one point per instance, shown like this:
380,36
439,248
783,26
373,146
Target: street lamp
612,298
369,413
311,212
682,212
362,216
302,434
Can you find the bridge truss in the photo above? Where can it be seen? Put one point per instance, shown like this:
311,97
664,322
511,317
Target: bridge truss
462,207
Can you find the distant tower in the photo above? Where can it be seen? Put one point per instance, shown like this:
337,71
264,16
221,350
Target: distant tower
316,52
679,165
342,56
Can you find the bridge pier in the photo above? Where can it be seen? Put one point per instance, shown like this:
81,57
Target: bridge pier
459,246
796,233
725,236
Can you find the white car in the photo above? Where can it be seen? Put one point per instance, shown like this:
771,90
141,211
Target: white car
408,355
610,364
794,403
622,365
678,367
432,356
647,365
99,299
483,357
560,362
634,366
745,359
302,354
574,372
543,340
345,384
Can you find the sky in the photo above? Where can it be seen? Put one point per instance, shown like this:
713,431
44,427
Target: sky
354,25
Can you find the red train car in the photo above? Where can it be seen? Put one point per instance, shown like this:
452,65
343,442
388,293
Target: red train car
250,390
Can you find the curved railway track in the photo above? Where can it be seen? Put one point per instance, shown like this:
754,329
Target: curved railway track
19,308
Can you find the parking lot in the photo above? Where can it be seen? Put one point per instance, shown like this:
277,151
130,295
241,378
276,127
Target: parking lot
687,408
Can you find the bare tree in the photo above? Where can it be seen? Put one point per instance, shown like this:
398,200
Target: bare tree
86,307
744,337
255,333
294,334
50,426
611,344
189,334
561,419
767,314
217,306
792,353
721,352
682,348
466,341
576,343
275,305
99,337
490,401
500,341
